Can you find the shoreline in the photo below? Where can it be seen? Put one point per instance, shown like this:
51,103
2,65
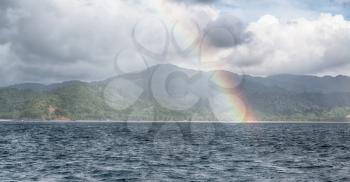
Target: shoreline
223,122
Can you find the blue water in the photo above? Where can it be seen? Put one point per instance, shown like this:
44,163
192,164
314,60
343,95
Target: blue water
174,152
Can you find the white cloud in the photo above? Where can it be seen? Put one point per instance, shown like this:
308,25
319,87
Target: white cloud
298,46
78,39
56,40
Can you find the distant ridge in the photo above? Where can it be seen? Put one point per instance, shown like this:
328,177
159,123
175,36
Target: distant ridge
43,87
290,82
274,98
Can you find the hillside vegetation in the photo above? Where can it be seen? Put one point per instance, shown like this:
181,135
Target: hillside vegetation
284,97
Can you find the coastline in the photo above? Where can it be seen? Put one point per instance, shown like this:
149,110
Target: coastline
223,122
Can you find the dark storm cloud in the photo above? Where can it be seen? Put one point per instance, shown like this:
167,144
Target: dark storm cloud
4,4
227,31
44,35
56,40
7,13
342,2
49,40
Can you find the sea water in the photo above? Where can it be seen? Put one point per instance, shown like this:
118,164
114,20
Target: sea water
54,151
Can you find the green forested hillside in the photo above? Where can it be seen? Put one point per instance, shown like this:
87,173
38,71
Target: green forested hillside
75,101
85,101
300,106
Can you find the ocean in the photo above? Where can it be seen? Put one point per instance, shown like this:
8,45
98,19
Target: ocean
54,151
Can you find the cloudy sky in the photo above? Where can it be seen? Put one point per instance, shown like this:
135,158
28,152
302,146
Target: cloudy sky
56,40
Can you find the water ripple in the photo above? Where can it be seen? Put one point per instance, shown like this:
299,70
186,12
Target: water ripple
109,152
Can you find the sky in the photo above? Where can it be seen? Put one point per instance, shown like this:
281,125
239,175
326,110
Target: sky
50,41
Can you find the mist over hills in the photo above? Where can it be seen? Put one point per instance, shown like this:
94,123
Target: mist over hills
160,93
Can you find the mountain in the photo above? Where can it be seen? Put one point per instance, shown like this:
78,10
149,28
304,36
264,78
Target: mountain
306,83
158,94
42,87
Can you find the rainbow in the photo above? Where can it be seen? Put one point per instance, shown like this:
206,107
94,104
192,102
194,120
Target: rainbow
233,103
235,106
